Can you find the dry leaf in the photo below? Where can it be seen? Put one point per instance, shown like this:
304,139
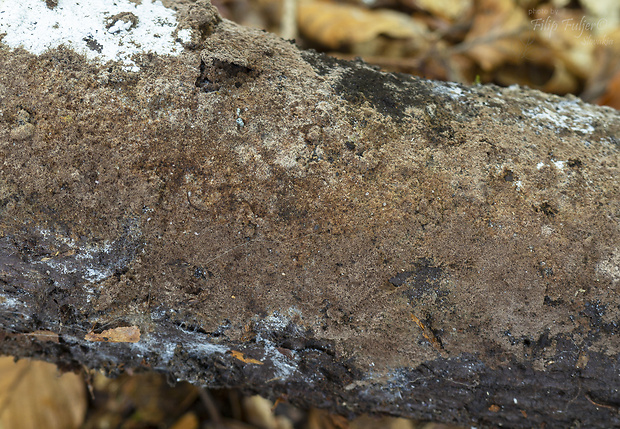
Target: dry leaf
141,401
338,25
567,36
125,334
258,411
33,396
603,70
321,419
187,421
604,14
497,34
242,358
449,9
611,97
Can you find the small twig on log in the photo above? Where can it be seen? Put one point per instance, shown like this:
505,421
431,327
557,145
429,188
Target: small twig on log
598,404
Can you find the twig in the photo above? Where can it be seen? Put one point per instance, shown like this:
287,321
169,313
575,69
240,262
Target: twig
597,404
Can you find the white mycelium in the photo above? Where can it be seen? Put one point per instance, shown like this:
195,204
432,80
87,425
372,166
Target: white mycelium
102,30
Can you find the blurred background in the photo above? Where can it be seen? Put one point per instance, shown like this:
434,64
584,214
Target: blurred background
35,395
560,46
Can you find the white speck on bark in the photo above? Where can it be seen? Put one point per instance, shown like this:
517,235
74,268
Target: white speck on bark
559,164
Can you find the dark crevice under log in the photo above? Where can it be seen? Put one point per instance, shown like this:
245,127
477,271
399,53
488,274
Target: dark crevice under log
291,224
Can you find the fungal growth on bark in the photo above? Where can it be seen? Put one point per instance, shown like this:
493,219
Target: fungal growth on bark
209,201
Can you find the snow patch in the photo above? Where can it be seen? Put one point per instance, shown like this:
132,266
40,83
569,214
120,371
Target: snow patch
101,30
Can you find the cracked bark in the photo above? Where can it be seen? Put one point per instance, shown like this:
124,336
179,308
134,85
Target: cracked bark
288,223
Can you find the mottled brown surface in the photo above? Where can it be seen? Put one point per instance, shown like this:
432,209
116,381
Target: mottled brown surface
381,243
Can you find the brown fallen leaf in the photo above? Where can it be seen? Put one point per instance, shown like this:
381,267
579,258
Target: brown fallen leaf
32,395
567,37
611,97
187,421
239,355
497,33
447,9
124,334
339,25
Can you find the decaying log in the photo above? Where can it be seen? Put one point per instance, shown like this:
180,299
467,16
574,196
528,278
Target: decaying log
258,216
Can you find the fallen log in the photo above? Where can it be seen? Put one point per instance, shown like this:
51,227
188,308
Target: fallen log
237,212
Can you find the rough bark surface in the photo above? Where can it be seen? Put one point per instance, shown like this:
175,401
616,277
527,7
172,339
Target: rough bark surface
292,224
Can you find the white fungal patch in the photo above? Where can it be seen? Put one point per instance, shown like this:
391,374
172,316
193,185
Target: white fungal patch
559,164
284,366
159,344
13,308
566,114
519,185
101,30
453,90
10,303
83,259
610,266
198,343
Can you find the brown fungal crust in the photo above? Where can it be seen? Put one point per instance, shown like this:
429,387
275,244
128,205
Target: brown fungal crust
416,248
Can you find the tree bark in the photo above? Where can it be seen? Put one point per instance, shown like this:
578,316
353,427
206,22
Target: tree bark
276,220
